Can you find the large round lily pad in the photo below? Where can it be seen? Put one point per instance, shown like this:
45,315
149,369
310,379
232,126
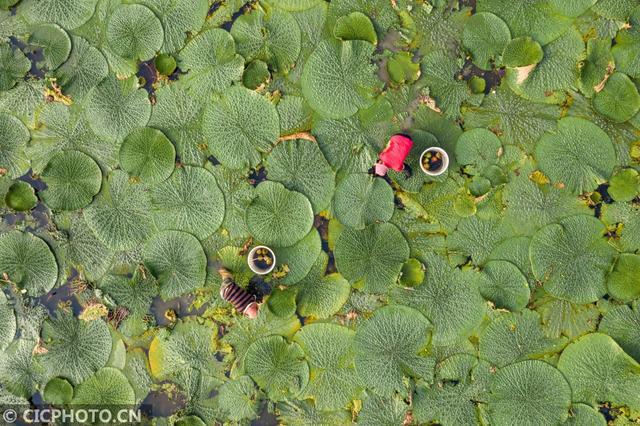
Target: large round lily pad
107,387
578,154
134,32
239,126
190,200
485,35
572,258
372,257
28,262
619,99
278,216
14,137
72,179
178,262
148,154
361,200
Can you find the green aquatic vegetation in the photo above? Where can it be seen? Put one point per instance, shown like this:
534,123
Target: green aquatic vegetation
145,144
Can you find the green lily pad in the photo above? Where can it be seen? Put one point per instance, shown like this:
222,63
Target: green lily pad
512,337
622,282
355,26
211,62
75,348
619,99
572,258
529,393
277,367
598,63
324,297
344,67
522,51
578,154
238,399
240,126
277,216
14,137
298,258
333,381
387,348
83,70
120,216
190,200
116,107
178,261
134,32
28,262
485,36
624,185
58,391
300,166
69,14
20,197
54,42
505,285
273,37
478,147
148,154
361,200
20,370
621,323
178,20
599,370
107,387
72,179
372,257
14,66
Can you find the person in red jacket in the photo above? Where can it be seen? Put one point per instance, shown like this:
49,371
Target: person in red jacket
394,154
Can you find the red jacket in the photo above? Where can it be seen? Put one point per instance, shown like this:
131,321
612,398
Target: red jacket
396,152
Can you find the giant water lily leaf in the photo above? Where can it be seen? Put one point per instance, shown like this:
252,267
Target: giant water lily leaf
485,36
344,68
599,370
240,126
54,42
537,18
622,281
238,194
69,14
558,70
134,32
23,100
190,200
178,19
478,148
211,62
306,413
178,261
449,298
14,66
333,382
189,346
8,325
85,68
272,37
477,237
298,258
619,99
82,250
300,166
323,297
72,179
136,370
361,200
387,347
572,258
20,371
627,52
621,323
107,387
515,120
116,107
378,410
504,285
120,216
238,399
135,293
60,128
531,206
146,153
277,367
278,216
583,414
13,141
512,337
627,215
28,262
179,116
578,154
382,14
529,393
364,256
75,348
439,72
